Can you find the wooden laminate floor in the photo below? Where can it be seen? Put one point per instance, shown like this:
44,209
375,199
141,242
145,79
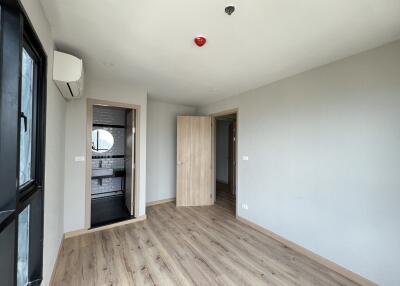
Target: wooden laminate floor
186,246
225,198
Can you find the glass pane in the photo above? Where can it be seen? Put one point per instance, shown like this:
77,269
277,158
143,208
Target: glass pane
102,140
23,247
25,169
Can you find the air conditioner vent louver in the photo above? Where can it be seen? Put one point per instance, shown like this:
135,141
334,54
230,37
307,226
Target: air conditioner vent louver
68,75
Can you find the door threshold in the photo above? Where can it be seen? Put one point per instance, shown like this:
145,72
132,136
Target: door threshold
100,228
112,221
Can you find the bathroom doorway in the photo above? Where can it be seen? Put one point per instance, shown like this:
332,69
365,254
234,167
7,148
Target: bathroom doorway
112,176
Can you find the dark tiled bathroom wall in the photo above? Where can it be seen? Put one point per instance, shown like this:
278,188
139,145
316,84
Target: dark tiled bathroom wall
109,116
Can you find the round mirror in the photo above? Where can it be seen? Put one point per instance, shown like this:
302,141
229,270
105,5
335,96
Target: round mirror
102,141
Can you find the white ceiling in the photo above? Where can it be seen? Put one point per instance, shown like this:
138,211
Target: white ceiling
150,42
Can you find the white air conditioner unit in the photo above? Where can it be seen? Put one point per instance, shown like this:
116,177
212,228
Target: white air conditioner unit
68,75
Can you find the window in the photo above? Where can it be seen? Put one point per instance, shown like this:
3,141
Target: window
23,65
23,247
26,134
102,140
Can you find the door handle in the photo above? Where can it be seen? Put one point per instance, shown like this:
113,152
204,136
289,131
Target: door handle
180,163
23,116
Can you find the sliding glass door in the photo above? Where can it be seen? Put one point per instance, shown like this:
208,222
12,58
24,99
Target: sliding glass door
22,137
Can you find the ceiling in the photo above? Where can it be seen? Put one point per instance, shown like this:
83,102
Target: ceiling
149,43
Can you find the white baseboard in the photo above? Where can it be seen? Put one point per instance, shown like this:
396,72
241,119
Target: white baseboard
321,260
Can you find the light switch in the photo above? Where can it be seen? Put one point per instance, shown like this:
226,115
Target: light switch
79,158
245,158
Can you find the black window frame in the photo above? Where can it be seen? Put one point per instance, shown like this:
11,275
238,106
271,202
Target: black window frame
17,33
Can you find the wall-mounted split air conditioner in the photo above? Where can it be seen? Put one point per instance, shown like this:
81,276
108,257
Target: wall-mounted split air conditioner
68,75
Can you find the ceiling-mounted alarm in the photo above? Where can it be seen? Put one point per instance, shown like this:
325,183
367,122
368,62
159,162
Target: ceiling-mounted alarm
200,41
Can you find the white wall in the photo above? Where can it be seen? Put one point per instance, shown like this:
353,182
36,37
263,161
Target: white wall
55,143
74,194
222,151
324,160
161,148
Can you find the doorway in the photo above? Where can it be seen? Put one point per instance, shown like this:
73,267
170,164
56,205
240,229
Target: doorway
225,160
112,176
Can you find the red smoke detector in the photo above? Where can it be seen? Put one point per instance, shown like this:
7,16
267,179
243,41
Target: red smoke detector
200,41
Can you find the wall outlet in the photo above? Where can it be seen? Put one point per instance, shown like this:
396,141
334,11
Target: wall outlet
245,158
245,206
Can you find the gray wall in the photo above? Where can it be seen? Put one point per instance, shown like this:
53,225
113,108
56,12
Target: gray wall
222,150
324,160
161,148
55,145
110,116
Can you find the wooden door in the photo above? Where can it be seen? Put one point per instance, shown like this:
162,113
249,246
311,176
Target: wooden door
129,161
194,147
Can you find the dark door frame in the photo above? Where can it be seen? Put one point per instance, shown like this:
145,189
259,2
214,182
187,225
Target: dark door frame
232,160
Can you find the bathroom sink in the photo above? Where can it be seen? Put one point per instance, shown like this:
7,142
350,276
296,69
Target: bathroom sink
102,172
